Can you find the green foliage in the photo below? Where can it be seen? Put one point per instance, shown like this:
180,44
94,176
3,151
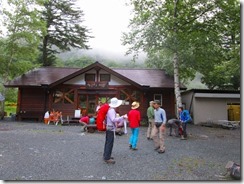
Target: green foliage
20,46
203,34
81,62
10,107
11,95
64,30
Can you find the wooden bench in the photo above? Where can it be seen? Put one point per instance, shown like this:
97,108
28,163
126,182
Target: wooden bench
30,115
91,128
71,121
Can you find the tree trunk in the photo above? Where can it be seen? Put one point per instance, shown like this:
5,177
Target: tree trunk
176,62
177,80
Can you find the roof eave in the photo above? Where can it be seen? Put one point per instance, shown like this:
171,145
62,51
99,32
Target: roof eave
94,65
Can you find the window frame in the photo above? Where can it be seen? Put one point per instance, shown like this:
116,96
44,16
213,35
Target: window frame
106,76
160,98
90,77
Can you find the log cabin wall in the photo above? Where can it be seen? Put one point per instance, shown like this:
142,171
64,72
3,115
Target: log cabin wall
31,103
167,101
66,98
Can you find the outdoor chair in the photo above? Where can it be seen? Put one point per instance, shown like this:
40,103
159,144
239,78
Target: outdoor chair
55,117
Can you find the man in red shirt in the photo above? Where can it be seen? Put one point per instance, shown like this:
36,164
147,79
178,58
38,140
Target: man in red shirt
134,118
84,121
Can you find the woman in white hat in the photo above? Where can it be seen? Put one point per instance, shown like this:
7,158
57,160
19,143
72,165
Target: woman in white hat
134,118
111,121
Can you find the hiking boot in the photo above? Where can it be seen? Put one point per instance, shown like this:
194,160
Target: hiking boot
156,148
183,138
130,146
110,161
118,133
134,149
160,151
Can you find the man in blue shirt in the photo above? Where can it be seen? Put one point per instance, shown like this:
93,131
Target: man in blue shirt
185,118
159,128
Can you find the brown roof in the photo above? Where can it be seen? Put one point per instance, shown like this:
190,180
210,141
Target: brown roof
148,77
41,76
52,76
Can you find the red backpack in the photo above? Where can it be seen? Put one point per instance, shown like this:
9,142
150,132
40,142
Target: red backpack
101,115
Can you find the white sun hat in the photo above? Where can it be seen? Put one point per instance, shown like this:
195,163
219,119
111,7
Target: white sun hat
115,102
135,105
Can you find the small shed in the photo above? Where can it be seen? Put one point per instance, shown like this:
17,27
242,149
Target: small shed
212,105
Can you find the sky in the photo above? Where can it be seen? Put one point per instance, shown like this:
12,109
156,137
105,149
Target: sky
106,19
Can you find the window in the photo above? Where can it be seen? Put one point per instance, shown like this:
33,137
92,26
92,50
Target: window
128,96
90,77
82,103
158,97
104,77
65,96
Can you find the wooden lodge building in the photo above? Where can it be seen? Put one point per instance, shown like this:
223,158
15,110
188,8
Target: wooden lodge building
69,89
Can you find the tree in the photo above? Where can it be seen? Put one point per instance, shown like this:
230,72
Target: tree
64,30
226,75
20,44
180,30
19,47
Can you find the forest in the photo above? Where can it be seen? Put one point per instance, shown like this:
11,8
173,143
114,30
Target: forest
185,38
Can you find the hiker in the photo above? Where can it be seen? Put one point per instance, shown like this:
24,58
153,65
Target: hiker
134,118
185,118
150,116
98,106
119,126
174,124
84,121
111,121
159,129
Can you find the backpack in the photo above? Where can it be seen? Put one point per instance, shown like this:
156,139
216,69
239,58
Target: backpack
101,115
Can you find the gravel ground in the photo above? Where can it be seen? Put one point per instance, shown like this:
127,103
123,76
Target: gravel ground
35,151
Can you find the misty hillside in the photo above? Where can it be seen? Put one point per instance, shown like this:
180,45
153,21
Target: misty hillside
196,83
102,56
110,58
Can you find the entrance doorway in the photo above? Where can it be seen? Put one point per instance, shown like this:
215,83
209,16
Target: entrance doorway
88,102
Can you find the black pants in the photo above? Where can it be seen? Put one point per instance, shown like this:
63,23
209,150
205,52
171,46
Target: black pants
184,129
109,142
